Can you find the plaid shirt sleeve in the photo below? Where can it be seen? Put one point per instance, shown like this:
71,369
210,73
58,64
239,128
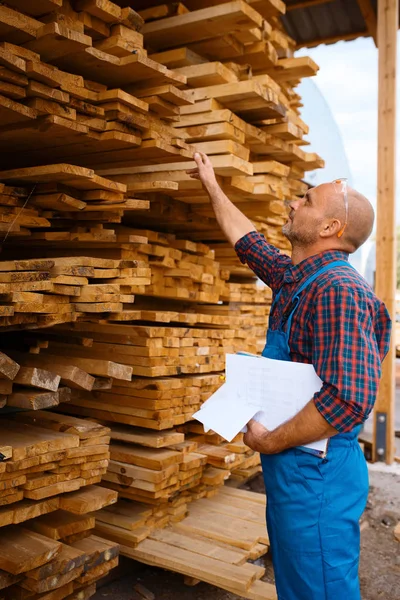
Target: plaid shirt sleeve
262,258
346,356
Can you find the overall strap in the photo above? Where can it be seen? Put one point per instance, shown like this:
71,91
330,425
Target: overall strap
308,282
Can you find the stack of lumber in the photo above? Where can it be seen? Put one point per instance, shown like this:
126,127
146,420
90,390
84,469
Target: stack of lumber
73,203
50,465
49,454
39,381
233,463
129,296
46,566
73,116
212,544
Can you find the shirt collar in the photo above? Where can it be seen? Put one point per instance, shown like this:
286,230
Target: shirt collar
310,265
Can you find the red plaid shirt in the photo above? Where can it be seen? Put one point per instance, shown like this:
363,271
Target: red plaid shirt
339,326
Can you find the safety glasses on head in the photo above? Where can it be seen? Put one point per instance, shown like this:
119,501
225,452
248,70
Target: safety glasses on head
342,181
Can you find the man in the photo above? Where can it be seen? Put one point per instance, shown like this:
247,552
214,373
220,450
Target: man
323,313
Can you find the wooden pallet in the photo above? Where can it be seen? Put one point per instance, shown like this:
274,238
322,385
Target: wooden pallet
214,550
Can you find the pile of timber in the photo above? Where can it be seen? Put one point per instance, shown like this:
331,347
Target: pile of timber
115,269
213,544
50,465
37,381
44,566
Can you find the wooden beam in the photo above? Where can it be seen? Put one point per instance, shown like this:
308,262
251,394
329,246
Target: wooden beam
369,16
306,4
348,37
388,11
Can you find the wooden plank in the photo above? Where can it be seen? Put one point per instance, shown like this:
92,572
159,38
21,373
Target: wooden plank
97,551
207,569
103,368
38,378
70,375
201,546
33,399
236,532
36,9
86,430
88,499
119,71
369,15
208,74
55,39
30,442
8,367
23,550
102,9
16,27
201,25
43,586
243,495
177,58
125,514
14,112
151,439
386,231
61,524
149,458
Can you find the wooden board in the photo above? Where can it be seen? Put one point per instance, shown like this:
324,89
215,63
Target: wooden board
200,25
22,550
88,499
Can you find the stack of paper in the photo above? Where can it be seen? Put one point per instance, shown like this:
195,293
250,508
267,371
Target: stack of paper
270,391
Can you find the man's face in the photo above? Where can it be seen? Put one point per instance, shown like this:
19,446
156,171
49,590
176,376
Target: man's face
305,218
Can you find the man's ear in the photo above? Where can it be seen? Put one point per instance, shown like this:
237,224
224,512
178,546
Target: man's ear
330,228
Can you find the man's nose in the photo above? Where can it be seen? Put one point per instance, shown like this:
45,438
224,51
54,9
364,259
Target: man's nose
292,204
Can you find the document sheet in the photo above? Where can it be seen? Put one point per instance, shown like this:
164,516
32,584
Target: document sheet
267,390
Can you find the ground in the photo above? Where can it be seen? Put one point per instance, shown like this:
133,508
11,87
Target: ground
380,554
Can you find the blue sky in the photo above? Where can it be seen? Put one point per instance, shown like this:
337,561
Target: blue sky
348,80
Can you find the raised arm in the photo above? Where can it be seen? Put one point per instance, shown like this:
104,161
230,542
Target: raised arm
251,247
232,221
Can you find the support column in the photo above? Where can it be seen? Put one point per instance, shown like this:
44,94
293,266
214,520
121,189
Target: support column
388,17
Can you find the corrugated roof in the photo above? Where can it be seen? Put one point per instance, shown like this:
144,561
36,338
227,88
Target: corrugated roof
326,22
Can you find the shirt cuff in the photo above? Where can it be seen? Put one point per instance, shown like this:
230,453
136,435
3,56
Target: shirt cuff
246,242
336,411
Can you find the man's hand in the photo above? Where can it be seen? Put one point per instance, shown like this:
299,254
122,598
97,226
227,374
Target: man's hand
307,426
204,171
232,221
255,436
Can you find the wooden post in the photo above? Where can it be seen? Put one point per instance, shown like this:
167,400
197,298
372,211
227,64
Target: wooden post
388,11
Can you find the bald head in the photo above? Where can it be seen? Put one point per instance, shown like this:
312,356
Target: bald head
360,219
317,222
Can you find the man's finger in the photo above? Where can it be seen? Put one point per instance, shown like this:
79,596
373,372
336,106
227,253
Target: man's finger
204,157
198,159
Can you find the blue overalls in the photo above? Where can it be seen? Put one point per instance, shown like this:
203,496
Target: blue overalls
314,502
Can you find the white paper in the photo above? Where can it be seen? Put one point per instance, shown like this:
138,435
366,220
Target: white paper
224,413
271,391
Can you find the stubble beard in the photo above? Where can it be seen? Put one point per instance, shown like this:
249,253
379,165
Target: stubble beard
296,238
